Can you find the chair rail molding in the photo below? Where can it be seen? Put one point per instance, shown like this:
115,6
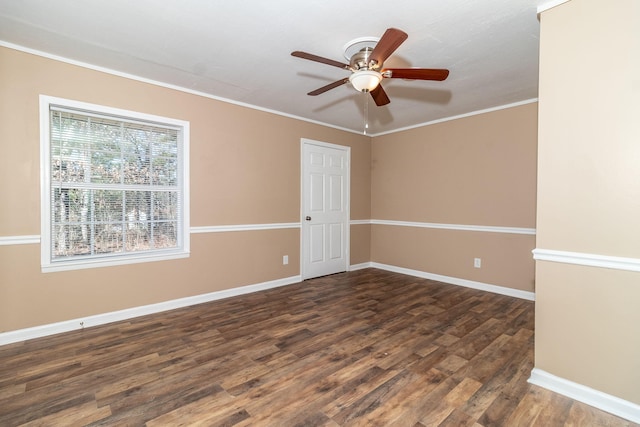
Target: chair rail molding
19,240
243,227
460,227
586,259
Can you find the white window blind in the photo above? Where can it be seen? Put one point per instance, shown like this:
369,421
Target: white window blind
116,188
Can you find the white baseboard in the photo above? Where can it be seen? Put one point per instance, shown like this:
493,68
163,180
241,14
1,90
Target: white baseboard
517,293
362,266
101,319
606,402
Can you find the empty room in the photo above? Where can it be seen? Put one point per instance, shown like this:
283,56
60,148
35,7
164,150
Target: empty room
320,213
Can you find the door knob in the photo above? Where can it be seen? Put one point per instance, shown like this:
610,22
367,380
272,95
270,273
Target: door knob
308,218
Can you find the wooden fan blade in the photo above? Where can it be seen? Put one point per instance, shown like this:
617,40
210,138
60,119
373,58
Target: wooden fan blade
330,86
316,58
416,73
391,39
380,96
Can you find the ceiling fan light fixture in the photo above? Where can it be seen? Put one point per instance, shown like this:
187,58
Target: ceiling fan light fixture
365,80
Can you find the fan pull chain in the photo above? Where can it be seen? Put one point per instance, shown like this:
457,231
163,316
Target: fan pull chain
366,113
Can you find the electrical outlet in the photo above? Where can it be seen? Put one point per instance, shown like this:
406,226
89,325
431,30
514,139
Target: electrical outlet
477,262
285,259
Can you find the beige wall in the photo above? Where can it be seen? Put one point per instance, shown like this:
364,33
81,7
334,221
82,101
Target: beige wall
589,194
245,169
478,170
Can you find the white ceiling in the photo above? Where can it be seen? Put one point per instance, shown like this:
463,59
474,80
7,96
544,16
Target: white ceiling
240,50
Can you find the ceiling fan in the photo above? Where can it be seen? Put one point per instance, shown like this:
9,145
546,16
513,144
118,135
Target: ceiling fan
366,57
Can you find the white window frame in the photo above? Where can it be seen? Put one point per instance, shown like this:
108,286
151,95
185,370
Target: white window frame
183,248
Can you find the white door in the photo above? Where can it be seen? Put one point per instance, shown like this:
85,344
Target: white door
325,208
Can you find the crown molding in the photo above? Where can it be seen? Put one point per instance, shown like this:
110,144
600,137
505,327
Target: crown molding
244,104
550,5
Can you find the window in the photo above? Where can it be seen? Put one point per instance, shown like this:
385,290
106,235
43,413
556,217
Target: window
114,186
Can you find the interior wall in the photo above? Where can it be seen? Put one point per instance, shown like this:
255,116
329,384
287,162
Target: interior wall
589,196
478,170
244,169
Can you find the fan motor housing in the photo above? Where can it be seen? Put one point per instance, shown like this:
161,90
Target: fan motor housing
360,61
358,51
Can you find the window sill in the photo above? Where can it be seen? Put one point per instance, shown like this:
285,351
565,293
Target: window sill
111,261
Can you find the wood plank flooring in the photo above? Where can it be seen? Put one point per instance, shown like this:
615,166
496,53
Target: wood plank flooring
365,348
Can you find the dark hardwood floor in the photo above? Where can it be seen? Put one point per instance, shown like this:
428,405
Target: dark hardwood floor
368,348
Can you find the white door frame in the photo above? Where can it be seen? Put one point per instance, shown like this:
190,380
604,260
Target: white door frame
347,193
